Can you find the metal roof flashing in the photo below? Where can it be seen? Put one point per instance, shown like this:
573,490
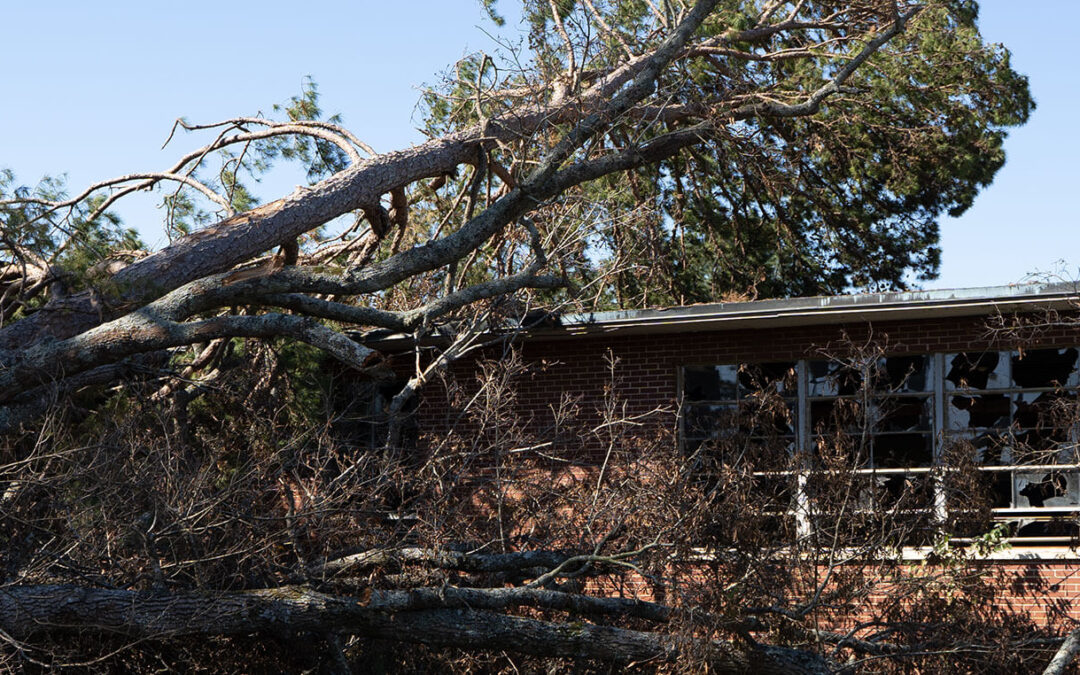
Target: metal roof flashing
822,310
809,311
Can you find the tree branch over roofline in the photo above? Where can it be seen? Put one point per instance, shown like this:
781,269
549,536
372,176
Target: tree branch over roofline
193,275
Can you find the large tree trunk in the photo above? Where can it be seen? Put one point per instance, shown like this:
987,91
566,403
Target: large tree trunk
28,611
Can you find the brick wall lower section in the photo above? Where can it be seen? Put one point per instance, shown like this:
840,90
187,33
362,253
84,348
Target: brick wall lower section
1035,593
1047,591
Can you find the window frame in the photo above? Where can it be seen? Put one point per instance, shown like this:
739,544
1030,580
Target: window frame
939,394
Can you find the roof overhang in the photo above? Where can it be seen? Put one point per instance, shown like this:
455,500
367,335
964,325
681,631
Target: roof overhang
825,310
821,310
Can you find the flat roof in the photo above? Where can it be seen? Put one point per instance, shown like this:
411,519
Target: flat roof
830,309
819,310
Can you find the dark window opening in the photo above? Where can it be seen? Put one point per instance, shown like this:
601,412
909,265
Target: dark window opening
976,370
1045,368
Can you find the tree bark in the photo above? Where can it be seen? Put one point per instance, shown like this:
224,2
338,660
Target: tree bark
29,611
1065,655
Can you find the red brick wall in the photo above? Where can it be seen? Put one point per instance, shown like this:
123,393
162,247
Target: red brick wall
1043,592
647,370
1046,591
648,365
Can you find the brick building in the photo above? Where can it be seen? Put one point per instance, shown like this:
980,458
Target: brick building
992,370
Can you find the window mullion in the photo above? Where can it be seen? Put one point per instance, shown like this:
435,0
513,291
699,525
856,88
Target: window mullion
937,377
802,446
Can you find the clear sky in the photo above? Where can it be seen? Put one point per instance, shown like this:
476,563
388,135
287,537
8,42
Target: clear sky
92,90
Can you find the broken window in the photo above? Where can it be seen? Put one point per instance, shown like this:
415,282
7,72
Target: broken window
1035,368
976,370
728,401
880,414
1013,413
986,411
909,373
1047,488
1017,411
834,378
710,383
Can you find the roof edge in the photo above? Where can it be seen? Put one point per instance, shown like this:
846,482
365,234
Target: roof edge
828,309
808,311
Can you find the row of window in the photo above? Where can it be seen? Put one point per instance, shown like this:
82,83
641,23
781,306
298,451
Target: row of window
902,424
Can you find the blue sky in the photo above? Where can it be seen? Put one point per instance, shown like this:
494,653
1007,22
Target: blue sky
93,89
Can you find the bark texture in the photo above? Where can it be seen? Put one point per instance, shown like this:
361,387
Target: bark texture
32,610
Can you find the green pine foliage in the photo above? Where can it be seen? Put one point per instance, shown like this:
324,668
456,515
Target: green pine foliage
848,199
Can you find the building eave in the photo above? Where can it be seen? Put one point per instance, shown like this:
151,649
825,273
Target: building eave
810,311
825,310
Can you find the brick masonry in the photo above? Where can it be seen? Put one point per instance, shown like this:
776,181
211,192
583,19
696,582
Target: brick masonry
647,368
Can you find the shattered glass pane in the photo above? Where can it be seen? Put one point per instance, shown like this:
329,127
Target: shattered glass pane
831,378
993,448
988,411
1047,489
909,373
1044,409
904,491
976,370
779,377
1041,446
1045,368
873,494
980,448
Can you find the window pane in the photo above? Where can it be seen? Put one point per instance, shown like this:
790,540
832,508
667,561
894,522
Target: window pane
976,370
709,383
767,418
779,377
993,448
831,378
1001,489
841,452
988,411
904,491
909,373
1045,368
710,421
904,413
1046,489
831,415
1042,446
1035,410
897,451
1036,528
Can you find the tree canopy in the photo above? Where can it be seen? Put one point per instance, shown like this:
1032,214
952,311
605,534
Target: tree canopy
781,205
